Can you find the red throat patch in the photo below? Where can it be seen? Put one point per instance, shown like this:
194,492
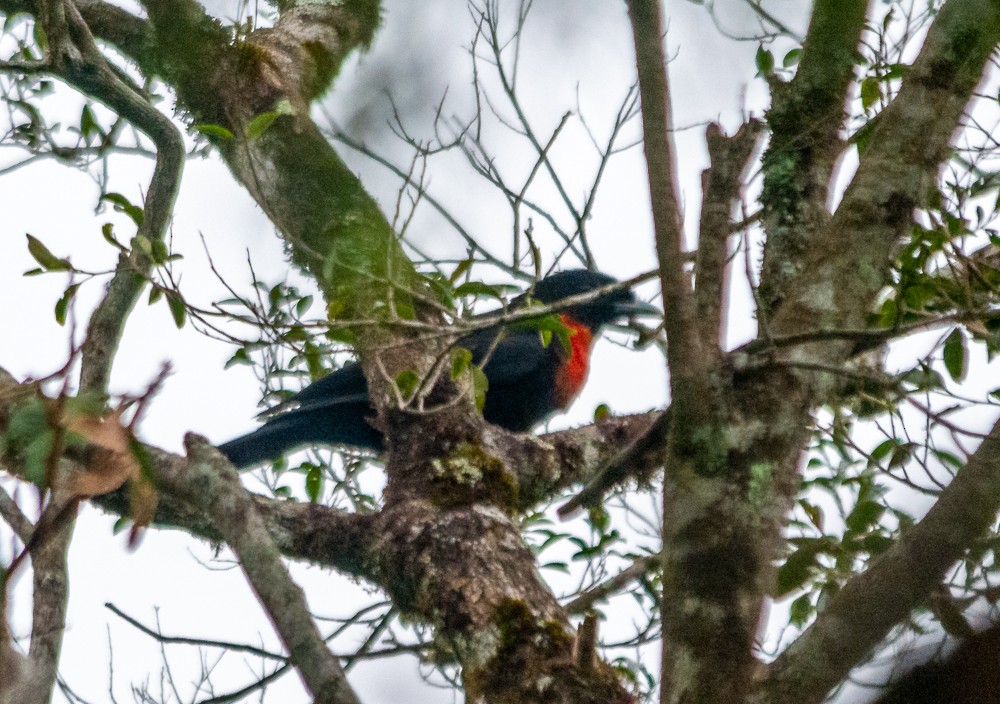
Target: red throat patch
572,373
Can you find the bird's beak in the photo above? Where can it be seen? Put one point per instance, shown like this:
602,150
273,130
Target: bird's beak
636,308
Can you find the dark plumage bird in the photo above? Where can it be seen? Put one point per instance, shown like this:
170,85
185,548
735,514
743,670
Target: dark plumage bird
528,381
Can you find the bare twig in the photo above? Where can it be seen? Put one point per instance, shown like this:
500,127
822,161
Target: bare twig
15,518
641,566
158,635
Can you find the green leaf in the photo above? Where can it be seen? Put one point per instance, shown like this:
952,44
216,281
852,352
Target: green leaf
217,131
797,570
955,355
89,127
791,58
863,137
883,449
121,524
314,483
107,230
478,288
260,124
123,205
62,305
801,610
901,455
155,294
302,305
159,251
296,333
36,458
343,335
871,92
864,515
26,421
177,309
480,385
923,378
241,356
764,61
461,358
143,244
43,256
463,266
814,512
407,382
599,518
601,412
442,288
876,544
41,38
552,324
557,566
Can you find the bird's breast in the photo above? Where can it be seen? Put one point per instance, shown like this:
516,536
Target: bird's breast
572,372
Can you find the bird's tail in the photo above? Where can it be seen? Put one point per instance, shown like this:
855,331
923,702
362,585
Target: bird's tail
268,442
328,424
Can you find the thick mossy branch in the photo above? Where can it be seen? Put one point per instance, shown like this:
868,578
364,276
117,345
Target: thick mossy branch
805,119
334,229
469,574
845,268
331,538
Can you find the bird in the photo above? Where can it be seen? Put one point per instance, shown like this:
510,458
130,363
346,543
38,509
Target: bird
529,378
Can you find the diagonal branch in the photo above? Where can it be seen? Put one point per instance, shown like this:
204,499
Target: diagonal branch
637,457
325,536
217,490
845,268
95,77
872,603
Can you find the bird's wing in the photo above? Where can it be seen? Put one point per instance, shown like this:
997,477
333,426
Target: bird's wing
333,410
516,356
343,386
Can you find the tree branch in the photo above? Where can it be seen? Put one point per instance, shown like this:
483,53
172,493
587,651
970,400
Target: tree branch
324,536
684,354
214,486
585,601
870,604
720,184
640,455
845,268
805,120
